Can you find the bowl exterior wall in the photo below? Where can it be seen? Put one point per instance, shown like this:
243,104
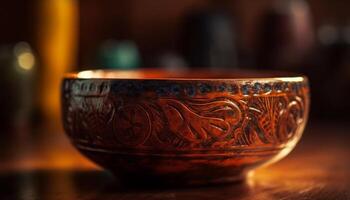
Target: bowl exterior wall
193,131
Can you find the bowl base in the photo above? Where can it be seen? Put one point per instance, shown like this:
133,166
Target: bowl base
147,170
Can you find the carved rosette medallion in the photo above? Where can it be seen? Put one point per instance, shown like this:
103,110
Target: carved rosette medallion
132,125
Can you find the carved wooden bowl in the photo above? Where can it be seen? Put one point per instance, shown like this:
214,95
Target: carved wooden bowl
158,127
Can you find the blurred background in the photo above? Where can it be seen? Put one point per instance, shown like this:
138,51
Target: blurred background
42,39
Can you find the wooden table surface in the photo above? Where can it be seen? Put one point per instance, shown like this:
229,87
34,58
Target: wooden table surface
319,168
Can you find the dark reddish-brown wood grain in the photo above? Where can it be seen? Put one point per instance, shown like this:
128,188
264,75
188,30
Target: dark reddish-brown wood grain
152,127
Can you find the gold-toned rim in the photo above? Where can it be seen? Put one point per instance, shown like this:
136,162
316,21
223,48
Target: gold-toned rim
187,75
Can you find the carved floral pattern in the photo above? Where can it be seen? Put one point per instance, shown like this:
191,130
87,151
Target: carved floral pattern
152,120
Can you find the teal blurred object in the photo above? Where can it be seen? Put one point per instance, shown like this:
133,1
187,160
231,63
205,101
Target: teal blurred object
119,55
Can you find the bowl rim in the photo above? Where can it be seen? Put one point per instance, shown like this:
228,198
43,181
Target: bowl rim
185,75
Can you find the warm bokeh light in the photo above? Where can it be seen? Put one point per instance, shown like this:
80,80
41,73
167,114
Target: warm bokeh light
24,56
26,61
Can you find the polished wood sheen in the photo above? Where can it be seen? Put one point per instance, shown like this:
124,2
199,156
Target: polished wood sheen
156,127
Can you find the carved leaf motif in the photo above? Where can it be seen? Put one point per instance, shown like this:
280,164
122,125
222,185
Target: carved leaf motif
95,114
88,117
223,109
161,135
202,122
264,116
272,120
290,119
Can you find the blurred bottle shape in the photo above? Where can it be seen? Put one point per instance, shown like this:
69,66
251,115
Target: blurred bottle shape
122,54
17,81
209,39
286,36
57,31
330,74
171,61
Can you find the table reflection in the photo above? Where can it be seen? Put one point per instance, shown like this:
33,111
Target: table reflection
94,185
310,172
